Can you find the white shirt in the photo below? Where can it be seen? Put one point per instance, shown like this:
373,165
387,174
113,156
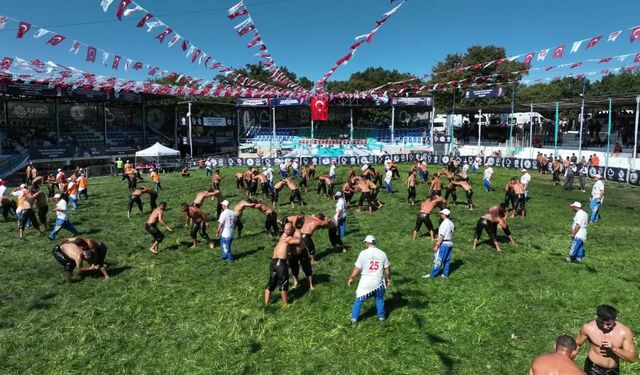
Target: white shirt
228,221
465,168
207,164
332,170
581,219
388,176
372,263
446,230
294,165
597,190
488,173
525,178
283,166
3,191
341,209
269,174
61,209
387,164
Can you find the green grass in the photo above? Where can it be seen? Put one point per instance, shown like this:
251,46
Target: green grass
186,312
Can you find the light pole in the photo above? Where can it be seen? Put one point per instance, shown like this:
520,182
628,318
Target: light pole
635,139
190,138
581,121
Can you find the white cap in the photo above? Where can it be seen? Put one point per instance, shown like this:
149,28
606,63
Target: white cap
225,203
576,204
339,194
22,186
445,211
369,239
597,176
57,196
524,170
59,169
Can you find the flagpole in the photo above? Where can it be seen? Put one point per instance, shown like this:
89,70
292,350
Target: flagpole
311,129
433,117
190,138
635,142
479,128
393,122
513,98
608,136
581,121
531,132
555,137
351,127
273,132
453,115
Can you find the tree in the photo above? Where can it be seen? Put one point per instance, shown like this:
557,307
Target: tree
367,79
477,58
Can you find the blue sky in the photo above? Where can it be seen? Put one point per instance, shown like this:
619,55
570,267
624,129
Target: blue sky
309,36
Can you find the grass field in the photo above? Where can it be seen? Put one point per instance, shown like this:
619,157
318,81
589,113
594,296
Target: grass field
186,312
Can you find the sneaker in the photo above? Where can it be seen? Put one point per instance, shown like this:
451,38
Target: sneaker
353,322
445,277
568,259
427,276
381,319
579,260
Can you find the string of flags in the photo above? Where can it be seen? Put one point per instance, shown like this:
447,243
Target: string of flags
56,75
266,59
126,8
540,55
360,40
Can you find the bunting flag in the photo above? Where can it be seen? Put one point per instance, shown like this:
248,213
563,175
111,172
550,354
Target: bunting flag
3,22
6,63
116,62
543,54
40,33
75,47
144,20
605,60
121,8
56,39
359,41
174,40
164,34
576,46
635,34
91,54
575,65
528,57
23,28
557,53
105,58
637,58
592,43
105,4
614,35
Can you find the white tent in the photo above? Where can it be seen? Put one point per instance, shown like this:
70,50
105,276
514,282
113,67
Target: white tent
157,151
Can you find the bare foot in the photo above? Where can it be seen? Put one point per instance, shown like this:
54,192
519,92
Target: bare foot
193,246
154,251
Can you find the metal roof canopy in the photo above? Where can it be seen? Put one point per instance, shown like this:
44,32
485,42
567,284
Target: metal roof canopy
618,100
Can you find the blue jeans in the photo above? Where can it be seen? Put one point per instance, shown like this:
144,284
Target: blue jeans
225,243
474,169
357,305
342,226
487,184
73,199
388,186
576,251
442,259
60,224
157,186
594,206
423,176
283,175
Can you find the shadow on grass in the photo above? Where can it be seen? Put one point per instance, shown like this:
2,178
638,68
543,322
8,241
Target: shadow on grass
447,362
112,271
182,244
397,301
247,253
330,251
453,267
303,286
92,231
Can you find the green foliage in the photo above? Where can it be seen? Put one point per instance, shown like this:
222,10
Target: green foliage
185,312
366,80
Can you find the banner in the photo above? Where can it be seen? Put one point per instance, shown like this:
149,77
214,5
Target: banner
413,101
216,121
246,102
487,93
289,102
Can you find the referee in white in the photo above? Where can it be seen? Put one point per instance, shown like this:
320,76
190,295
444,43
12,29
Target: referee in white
443,248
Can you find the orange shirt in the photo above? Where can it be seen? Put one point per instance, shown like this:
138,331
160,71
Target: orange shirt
72,189
82,182
155,177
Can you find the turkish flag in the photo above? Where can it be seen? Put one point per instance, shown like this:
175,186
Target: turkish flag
121,7
557,53
637,59
593,41
144,20
91,54
23,28
116,62
137,65
319,109
6,63
56,39
528,58
605,60
635,34
164,34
